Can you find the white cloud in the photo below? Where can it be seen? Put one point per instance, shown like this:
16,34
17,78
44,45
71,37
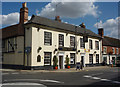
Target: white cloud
69,9
10,19
110,27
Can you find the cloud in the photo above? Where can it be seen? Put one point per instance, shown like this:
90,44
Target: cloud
10,19
69,9
110,27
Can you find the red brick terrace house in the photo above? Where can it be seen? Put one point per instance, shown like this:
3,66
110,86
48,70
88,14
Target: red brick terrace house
110,47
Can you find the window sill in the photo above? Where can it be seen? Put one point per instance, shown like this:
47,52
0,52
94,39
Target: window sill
82,48
47,45
9,52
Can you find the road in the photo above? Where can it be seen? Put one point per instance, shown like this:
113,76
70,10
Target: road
100,76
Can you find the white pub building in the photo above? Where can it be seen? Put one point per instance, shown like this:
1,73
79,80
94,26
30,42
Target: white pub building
33,43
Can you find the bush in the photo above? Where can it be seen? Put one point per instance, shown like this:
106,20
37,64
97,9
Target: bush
55,61
67,61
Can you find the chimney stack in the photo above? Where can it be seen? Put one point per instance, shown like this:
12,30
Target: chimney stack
83,25
101,32
23,13
57,18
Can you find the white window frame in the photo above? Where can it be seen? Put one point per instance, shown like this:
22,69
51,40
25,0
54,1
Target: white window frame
104,51
72,41
72,58
113,51
97,43
47,57
97,58
61,40
47,38
117,50
82,43
11,42
91,59
90,44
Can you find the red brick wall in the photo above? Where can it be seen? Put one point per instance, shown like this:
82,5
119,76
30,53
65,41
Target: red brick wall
109,49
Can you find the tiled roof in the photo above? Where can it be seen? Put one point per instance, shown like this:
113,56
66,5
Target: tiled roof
60,25
13,30
18,29
109,41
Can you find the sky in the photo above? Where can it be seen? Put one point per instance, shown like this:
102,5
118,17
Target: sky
93,14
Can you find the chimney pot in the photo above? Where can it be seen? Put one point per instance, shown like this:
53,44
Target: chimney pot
24,5
23,13
101,32
57,18
83,25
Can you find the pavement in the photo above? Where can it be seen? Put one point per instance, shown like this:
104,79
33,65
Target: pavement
60,70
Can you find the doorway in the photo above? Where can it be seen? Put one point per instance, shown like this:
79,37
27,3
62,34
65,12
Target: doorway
113,59
83,59
61,62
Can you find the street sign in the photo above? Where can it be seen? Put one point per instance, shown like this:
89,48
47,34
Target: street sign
27,50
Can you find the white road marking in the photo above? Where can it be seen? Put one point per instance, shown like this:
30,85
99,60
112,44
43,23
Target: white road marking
97,78
51,81
87,76
116,82
34,80
14,73
23,83
22,80
105,80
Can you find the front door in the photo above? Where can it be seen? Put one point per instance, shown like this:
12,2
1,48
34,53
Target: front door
61,62
82,60
113,59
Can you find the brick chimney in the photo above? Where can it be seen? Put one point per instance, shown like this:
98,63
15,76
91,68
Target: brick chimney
57,18
101,32
83,25
23,13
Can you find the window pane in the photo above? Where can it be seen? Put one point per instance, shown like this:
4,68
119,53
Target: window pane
47,38
61,40
82,44
10,44
90,44
97,58
72,58
72,41
47,58
3,43
97,45
91,58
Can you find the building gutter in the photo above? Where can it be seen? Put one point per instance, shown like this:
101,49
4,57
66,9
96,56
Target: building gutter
24,46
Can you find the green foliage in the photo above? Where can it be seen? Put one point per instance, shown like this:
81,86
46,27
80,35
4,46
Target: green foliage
67,61
55,60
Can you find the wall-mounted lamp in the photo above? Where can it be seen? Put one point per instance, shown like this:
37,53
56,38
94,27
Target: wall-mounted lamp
39,49
78,50
66,34
55,50
95,52
38,29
